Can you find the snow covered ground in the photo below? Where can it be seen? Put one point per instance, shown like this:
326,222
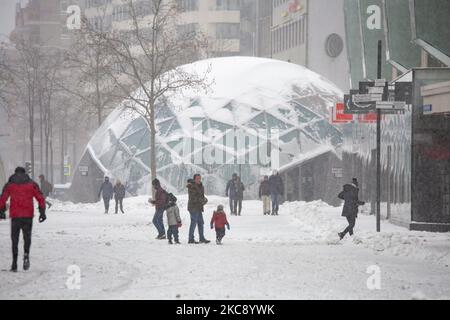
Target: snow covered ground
292,256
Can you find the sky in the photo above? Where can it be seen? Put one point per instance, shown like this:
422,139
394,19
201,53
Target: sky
7,15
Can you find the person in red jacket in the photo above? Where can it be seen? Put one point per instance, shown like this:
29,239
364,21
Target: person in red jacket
21,191
219,220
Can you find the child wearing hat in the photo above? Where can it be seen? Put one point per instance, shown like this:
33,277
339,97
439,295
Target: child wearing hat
219,221
173,218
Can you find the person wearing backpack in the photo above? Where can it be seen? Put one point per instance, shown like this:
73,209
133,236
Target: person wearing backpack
160,203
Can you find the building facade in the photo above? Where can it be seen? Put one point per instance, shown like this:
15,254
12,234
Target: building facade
229,32
415,148
312,34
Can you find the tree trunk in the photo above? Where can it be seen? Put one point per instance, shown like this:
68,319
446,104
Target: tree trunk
41,135
62,155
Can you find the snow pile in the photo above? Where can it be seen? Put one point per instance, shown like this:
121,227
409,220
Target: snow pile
319,223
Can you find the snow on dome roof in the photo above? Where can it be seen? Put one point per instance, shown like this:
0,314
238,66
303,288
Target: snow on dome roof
245,93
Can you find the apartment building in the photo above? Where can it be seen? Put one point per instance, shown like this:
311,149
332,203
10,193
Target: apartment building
311,33
219,20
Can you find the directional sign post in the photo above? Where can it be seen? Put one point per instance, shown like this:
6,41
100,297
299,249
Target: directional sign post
373,100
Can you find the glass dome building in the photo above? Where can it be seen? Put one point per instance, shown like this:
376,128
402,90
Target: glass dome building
253,108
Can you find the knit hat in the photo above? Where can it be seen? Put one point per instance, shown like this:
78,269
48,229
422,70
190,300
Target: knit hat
220,207
156,183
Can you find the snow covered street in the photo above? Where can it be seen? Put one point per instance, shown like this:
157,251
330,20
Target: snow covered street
293,256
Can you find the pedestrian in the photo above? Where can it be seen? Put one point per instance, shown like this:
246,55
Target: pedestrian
230,192
107,192
196,202
264,195
239,195
119,195
219,221
350,210
160,203
276,189
173,219
21,191
46,189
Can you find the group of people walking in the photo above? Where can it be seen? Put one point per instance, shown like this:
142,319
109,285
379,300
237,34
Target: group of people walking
167,202
271,190
108,192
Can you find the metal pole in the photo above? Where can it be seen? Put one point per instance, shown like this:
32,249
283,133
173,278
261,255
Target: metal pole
389,154
379,146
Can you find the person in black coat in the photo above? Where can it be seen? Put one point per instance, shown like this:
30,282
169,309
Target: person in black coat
230,192
196,203
350,210
119,195
239,190
276,189
107,191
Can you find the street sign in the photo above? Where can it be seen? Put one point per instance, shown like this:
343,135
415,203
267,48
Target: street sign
377,88
368,118
391,105
83,170
428,109
351,107
338,172
338,115
67,171
363,98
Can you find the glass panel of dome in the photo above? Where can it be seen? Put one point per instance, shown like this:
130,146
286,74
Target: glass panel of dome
135,125
164,127
175,127
304,114
134,141
219,125
325,131
294,134
107,157
163,111
275,123
163,157
119,158
145,142
145,158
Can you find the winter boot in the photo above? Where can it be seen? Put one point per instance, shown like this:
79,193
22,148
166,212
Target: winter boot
170,241
193,242
204,241
14,265
341,235
177,242
26,261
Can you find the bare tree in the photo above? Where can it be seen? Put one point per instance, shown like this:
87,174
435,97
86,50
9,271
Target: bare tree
22,77
89,67
148,57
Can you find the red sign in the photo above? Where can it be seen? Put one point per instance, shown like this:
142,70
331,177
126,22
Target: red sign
338,115
367,118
